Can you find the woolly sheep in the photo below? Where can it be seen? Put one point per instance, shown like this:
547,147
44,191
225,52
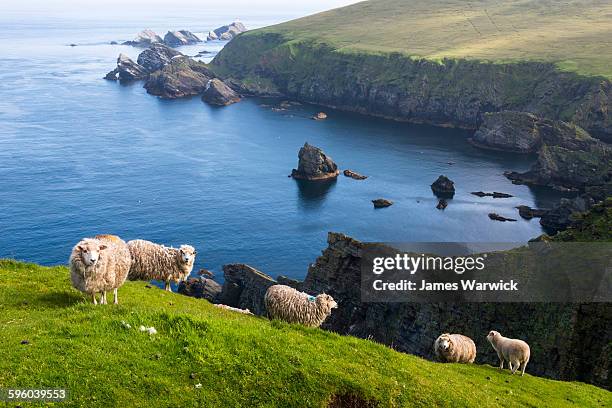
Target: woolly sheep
515,352
98,265
455,348
285,303
151,261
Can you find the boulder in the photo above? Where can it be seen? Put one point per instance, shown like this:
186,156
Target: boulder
127,70
181,37
156,57
144,39
528,213
218,93
497,217
228,32
442,204
182,77
201,288
320,116
443,187
314,164
382,203
354,175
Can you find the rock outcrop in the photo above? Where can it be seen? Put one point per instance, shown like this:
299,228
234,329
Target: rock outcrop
314,164
382,203
528,213
563,214
182,77
227,32
218,93
442,204
244,288
145,38
508,131
354,175
156,57
181,37
494,194
127,70
443,187
202,288
497,217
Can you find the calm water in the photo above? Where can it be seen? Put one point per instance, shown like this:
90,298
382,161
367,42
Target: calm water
80,156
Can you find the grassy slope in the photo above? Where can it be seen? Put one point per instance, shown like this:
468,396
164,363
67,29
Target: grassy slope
576,35
239,360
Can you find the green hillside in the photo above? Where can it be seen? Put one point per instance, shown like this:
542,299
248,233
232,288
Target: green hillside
576,35
238,360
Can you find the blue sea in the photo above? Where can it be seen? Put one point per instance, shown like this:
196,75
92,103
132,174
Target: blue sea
80,156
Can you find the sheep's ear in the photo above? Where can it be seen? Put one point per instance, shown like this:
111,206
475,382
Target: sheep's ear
80,248
103,247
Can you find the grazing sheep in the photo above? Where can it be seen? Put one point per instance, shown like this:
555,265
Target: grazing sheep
98,265
455,348
151,261
515,352
285,303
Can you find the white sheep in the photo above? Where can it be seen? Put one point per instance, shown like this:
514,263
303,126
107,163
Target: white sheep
515,352
455,348
285,303
100,264
151,261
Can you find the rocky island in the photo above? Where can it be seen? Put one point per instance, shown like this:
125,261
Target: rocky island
314,165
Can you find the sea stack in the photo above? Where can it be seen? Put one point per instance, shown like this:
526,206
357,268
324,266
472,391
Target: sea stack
218,93
314,164
443,187
382,203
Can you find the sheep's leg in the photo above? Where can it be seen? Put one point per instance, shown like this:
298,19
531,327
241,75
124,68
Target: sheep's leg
510,366
523,365
501,363
104,302
116,296
93,296
168,287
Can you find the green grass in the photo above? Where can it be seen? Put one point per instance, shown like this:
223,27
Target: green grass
239,360
574,35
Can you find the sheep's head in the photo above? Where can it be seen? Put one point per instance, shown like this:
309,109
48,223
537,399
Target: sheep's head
493,335
90,251
188,254
445,342
326,301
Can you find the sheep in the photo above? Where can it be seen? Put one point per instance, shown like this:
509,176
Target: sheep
515,352
98,265
455,348
151,261
285,303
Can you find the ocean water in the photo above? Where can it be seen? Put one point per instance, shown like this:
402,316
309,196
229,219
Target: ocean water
80,155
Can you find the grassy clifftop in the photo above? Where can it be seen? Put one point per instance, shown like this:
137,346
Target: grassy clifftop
238,360
574,35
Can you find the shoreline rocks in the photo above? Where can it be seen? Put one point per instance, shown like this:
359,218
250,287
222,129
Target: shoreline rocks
508,131
227,32
354,175
202,288
180,78
382,203
126,70
443,187
442,204
156,57
494,194
497,217
181,37
528,213
145,38
314,165
218,93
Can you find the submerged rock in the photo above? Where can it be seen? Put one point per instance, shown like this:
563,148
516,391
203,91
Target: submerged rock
443,187
181,37
127,70
314,164
218,93
354,175
227,32
497,217
382,203
144,39
156,57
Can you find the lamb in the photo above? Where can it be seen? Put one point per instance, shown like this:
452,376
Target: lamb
98,265
455,348
515,352
151,261
285,303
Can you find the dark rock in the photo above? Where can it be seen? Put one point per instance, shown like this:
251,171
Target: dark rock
314,164
442,204
382,203
497,217
354,175
202,288
528,213
206,273
320,116
443,187
218,93
182,77
73,45
508,131
114,43
144,39
181,37
494,194
227,32
294,283
244,288
563,214
127,70
156,57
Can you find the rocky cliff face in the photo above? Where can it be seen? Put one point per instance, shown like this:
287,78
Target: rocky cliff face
447,92
568,341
